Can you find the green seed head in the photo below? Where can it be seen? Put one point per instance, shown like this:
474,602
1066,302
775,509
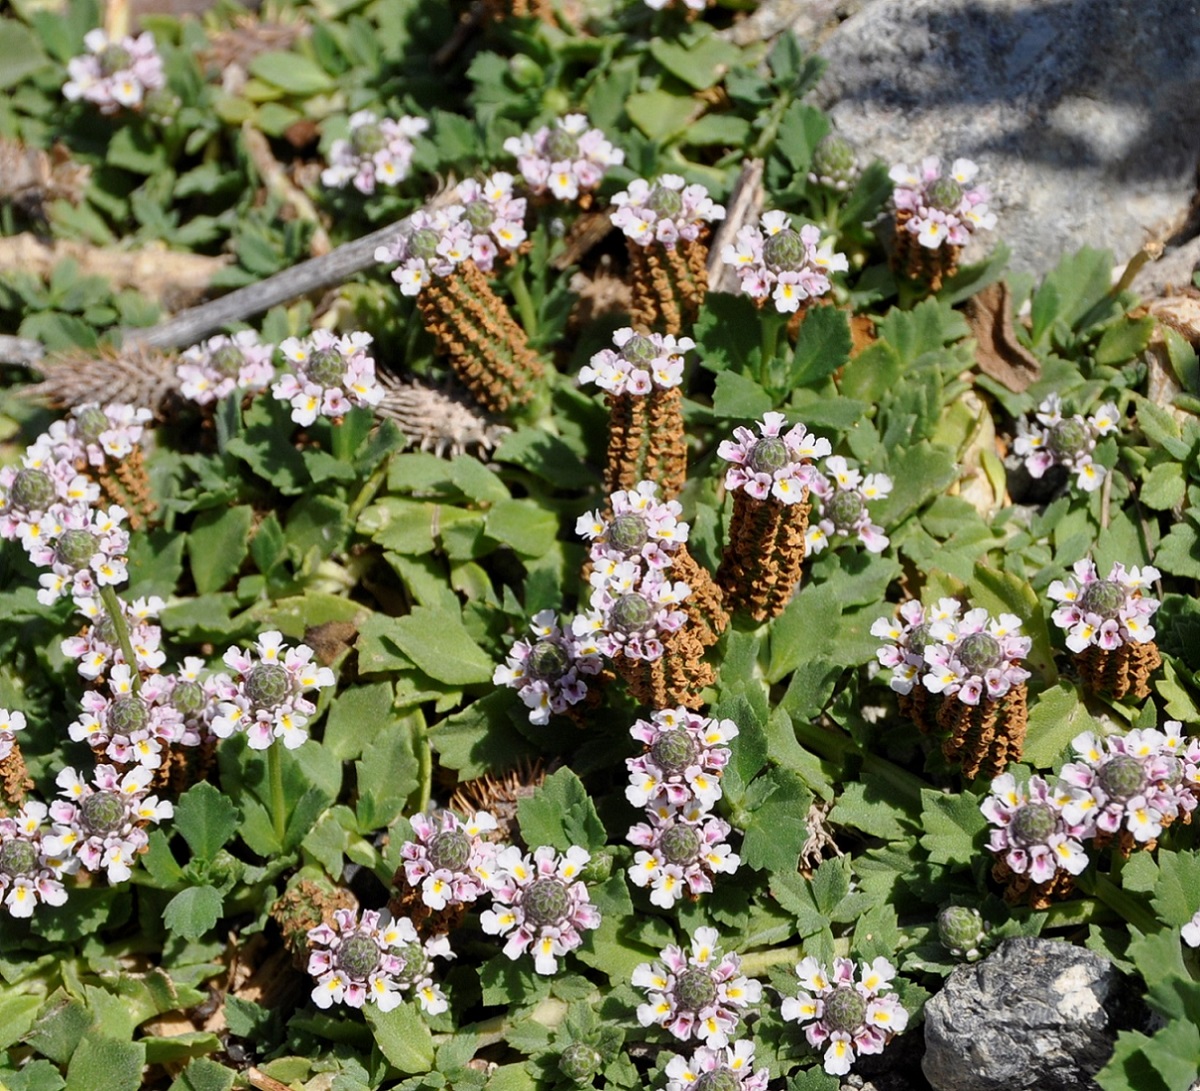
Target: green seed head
628,532
368,139
919,639
358,955
834,160
227,361
188,697
978,653
579,1062
114,59
546,901
267,686
845,1009
1122,777
944,194
75,548
1172,767
1103,597
1069,438
664,201
32,490
631,613
450,849
721,1078
413,957
561,145
845,507
673,751
480,216
91,422
784,250
18,857
768,455
694,989
102,813
680,845
547,660
960,928
639,351
1032,824
326,367
126,715
423,243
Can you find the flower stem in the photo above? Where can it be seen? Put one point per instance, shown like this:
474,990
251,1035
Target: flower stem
772,323
108,595
367,493
278,801
755,962
524,301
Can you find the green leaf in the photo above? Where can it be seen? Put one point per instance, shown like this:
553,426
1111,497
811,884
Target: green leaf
177,1048
528,527
439,644
659,114
134,148
20,53
774,816
1177,891
952,824
291,72
17,1013
1055,718
482,738
561,813
101,1062
739,397
389,771
402,1036
1163,487
61,1027
1125,339
726,334
700,58
1179,552
866,807
39,1075
193,911
822,346
808,624
207,819
356,718
1071,290
317,524
217,545
547,456
202,1074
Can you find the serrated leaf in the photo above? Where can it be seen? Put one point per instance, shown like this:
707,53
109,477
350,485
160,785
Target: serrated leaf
1177,891
356,717
217,544
822,346
193,911
740,397
1163,487
774,816
107,1063
815,609
865,807
561,813
1055,718
700,59
525,526
726,334
402,1036
1124,339
952,824
388,772
439,644
659,114
206,818
202,1074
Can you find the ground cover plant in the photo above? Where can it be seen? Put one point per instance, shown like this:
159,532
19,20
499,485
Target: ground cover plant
644,625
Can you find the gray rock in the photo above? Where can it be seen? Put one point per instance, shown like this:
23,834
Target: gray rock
1036,1015
1084,115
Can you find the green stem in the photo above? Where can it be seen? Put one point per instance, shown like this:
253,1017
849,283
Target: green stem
367,493
755,962
278,801
108,595
524,301
772,323
1128,907
424,750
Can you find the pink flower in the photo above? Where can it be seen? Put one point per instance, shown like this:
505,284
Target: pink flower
567,159
378,152
730,1067
1033,830
433,243
842,495
114,74
29,874
775,465
908,637
975,656
132,727
1054,440
642,528
495,217
664,211
682,849
548,672
223,364
683,761
331,374
449,860
945,209
641,364
792,267
1105,613
631,611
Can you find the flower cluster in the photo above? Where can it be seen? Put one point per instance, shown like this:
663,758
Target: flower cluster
378,152
846,1016
975,656
1125,788
1105,613
29,873
677,779
548,671
114,74
97,645
266,700
730,1068
639,364
130,726
434,242
84,550
907,637
374,960
331,375
834,164
774,260
1052,439
495,217
101,825
841,496
566,159
666,211
540,903
940,208
770,464
700,995
450,861
94,436
642,526
223,364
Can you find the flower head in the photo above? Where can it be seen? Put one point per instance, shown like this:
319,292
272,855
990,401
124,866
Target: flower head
433,243
681,850
642,527
265,700
684,758
842,496
540,904
378,152
96,435
773,464
549,671
846,1016
975,656
29,874
632,611
223,364
730,1068
449,860
1105,613
1052,439
129,726
665,211
114,74
834,163
1031,830
641,363
496,218
330,375
566,159
941,208
97,645
774,260
699,995
357,961
85,550
907,637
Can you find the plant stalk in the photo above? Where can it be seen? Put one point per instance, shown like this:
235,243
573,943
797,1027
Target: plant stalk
278,800
108,595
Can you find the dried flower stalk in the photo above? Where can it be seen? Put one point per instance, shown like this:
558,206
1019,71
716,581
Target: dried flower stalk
919,262
985,737
1119,672
763,560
